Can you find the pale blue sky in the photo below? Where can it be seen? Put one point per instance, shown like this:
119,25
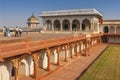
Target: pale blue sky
15,12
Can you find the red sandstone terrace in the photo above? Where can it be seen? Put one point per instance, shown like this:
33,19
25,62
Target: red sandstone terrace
34,60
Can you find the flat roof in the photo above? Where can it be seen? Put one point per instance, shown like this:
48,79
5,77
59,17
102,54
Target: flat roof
71,12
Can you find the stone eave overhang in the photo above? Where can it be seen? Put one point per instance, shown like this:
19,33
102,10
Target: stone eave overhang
73,15
79,12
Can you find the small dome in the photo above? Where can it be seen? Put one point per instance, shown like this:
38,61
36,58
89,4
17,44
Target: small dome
32,18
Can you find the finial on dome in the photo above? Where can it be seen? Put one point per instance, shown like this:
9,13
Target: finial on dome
32,13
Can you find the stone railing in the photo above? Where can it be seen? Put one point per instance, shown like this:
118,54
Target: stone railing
14,49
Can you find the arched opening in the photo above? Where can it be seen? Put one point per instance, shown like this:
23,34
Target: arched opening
22,69
112,29
75,25
118,30
5,70
13,71
57,25
106,30
83,27
86,25
66,25
54,57
49,25
43,60
26,67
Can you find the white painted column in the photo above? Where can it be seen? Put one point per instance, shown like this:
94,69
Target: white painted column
92,26
31,67
53,26
80,27
5,71
45,61
61,27
98,27
71,26
55,58
73,51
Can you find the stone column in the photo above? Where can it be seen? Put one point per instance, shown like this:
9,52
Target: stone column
48,55
76,49
80,47
71,26
52,26
44,26
58,60
80,27
35,59
85,48
66,48
61,27
92,27
71,46
16,66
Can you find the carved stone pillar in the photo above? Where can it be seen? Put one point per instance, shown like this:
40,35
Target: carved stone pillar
80,27
48,55
35,59
16,66
76,47
44,26
71,50
58,60
80,47
53,26
72,46
61,27
85,51
66,48
71,26
92,27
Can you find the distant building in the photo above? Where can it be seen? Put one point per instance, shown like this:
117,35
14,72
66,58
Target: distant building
80,20
33,22
111,26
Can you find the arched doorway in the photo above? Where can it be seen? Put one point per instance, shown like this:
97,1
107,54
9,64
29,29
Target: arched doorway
66,25
83,27
43,60
86,25
48,25
57,25
112,29
26,66
118,30
75,25
54,57
106,30
22,69
6,70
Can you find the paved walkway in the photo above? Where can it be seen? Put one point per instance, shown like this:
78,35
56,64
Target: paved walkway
72,71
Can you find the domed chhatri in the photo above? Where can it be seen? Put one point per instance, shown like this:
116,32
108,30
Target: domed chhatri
33,22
